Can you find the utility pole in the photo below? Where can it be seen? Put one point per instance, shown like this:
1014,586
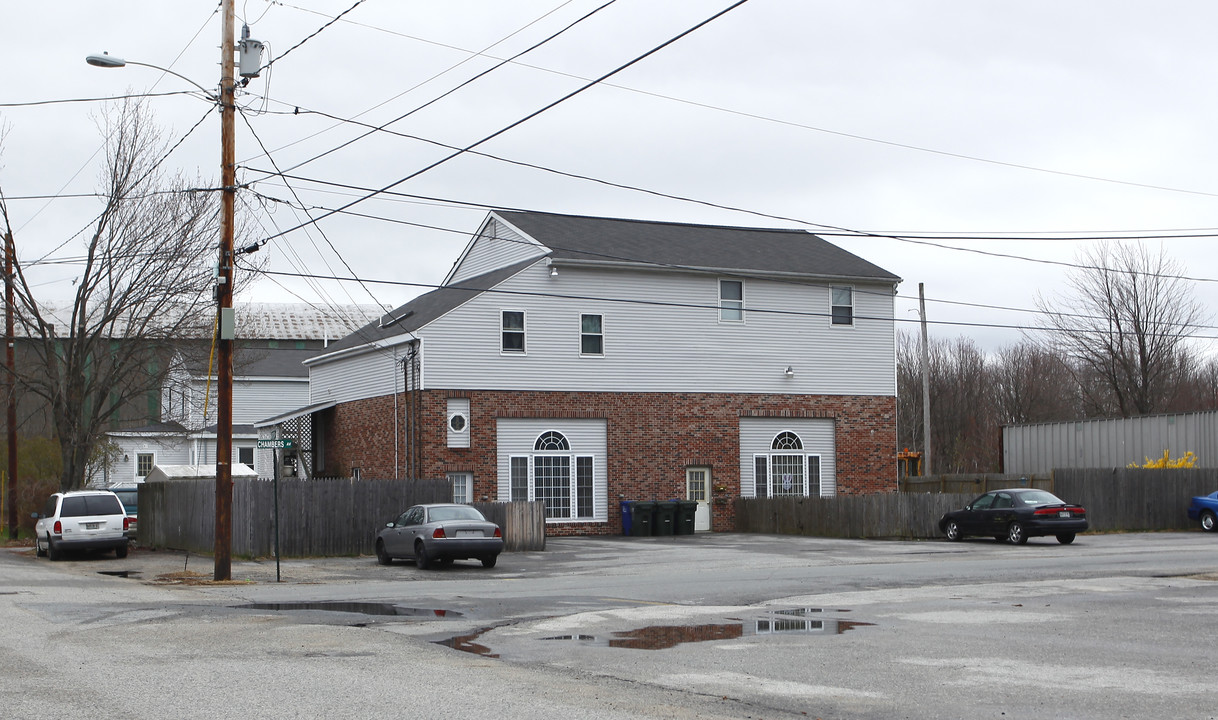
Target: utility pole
224,297
925,383
9,381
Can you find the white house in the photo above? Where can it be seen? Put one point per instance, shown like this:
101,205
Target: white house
584,361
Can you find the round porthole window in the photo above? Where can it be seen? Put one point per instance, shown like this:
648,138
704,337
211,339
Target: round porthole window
457,423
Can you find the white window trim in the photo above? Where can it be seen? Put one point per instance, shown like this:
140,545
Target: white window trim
807,481
720,309
853,311
574,507
524,333
136,465
601,354
468,478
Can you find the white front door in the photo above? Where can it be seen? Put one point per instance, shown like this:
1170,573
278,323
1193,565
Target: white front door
697,488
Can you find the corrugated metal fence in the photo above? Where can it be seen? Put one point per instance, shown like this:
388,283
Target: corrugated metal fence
1117,499
317,518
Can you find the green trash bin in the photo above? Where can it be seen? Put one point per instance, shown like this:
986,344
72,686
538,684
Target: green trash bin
665,518
641,515
686,510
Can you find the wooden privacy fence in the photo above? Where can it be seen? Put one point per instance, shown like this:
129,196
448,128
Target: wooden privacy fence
1117,499
974,484
882,515
523,523
317,517
1135,498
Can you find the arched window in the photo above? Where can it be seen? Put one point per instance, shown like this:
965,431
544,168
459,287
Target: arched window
787,440
551,440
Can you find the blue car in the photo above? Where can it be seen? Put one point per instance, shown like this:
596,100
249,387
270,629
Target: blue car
1205,509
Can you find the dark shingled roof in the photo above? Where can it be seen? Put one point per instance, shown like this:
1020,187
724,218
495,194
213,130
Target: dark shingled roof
693,246
636,242
426,307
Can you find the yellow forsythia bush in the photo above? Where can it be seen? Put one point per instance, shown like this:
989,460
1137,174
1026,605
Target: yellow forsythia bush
1187,460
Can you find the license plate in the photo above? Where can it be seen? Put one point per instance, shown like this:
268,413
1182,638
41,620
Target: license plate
93,526
469,533
1064,513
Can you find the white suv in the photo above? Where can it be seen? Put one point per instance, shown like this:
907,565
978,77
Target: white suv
82,520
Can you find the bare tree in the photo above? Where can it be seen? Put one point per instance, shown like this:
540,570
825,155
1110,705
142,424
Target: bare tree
1129,319
1033,384
145,283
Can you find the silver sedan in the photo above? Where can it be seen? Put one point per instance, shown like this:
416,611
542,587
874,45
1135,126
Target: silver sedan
440,533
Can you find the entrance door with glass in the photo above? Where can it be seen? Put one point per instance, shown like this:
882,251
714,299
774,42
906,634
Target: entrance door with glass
697,488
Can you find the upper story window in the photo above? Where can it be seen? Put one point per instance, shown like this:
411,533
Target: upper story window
512,331
731,301
841,300
591,335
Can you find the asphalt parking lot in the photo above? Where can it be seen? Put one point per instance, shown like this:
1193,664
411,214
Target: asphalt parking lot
707,626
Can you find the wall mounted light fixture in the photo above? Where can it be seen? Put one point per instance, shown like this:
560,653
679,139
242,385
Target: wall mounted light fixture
789,372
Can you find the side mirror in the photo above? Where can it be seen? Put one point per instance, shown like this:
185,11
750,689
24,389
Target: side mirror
968,507
389,525
36,516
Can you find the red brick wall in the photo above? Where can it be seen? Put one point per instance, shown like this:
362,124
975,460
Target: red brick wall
652,438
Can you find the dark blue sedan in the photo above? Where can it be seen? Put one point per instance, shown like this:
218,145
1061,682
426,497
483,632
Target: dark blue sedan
1205,509
1014,515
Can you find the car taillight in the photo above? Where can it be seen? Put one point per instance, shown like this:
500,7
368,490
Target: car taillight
1047,511
438,533
498,533
58,528
126,523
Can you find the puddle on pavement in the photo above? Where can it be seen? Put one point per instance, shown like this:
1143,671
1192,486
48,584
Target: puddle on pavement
661,637
362,608
119,573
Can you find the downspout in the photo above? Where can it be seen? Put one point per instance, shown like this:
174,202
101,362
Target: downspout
396,437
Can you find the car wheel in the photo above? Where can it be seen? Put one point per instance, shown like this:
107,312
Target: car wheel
489,561
952,530
1016,535
53,552
1208,522
1065,538
120,552
420,556
382,556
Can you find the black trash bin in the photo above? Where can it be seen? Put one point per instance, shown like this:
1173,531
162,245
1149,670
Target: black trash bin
641,518
665,518
627,512
686,510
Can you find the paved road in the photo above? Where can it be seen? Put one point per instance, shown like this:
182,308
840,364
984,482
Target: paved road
711,626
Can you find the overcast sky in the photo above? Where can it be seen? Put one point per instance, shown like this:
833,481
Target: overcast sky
1051,121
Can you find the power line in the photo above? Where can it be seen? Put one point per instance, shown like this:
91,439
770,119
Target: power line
315,33
534,114
704,306
109,98
452,90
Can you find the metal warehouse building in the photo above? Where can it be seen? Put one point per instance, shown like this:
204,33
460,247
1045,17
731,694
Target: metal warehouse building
1041,447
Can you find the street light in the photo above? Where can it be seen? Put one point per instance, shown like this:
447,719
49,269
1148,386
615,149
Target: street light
106,60
224,279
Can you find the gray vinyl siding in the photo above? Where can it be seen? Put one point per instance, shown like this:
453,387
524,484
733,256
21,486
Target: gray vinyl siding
817,434
497,246
672,341
1042,447
516,436
355,377
253,400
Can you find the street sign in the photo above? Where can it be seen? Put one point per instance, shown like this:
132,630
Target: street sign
280,443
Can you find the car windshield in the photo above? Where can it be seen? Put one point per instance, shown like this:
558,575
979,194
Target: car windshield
129,498
457,512
84,505
1040,497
